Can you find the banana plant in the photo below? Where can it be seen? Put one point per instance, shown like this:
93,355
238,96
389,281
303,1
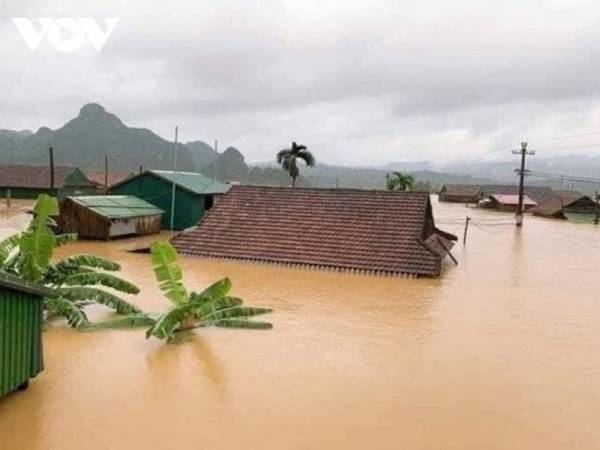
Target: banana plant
74,280
211,307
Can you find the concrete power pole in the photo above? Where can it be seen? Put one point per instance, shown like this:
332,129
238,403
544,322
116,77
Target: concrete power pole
523,152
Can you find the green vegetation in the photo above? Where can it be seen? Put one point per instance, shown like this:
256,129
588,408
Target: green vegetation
399,181
74,280
211,307
288,159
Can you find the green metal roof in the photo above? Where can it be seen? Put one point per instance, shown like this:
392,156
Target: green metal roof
117,206
15,283
192,181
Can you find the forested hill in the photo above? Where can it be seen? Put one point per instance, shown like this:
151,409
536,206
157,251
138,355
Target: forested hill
95,133
85,140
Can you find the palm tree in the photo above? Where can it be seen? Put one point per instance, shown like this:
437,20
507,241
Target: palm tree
210,307
399,182
288,159
28,255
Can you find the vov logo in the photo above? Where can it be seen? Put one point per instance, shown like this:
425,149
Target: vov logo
65,34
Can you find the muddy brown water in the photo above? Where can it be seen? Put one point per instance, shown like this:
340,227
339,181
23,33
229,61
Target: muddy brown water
502,352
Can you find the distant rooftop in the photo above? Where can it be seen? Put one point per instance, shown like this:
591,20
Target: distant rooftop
192,181
510,199
38,177
117,206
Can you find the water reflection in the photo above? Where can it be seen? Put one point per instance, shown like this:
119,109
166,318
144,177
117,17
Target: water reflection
187,349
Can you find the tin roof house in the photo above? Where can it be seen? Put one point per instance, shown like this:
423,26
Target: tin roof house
108,216
343,229
194,194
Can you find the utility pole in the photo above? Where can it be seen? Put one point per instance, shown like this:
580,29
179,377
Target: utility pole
597,218
523,152
106,175
216,172
51,152
173,189
467,220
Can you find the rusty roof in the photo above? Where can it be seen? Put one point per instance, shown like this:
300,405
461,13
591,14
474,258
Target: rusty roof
461,189
113,177
510,199
556,204
536,193
378,231
38,177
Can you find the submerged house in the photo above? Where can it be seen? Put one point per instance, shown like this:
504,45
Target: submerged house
509,202
345,229
473,193
108,216
460,193
538,194
21,181
194,194
567,205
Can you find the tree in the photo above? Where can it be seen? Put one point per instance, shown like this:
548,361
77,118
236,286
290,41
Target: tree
211,307
73,280
399,181
288,160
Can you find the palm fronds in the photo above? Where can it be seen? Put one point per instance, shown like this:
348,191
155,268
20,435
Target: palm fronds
124,322
288,159
100,296
168,273
212,306
103,279
63,307
38,241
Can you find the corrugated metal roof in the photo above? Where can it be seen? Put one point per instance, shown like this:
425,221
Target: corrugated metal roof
117,206
192,181
15,283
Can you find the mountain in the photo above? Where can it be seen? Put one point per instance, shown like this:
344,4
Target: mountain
85,140
409,166
324,175
202,153
228,166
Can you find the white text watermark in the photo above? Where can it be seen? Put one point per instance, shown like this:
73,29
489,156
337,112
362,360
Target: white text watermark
65,34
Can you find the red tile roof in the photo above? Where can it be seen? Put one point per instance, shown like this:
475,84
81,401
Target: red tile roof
113,177
513,200
556,204
38,177
377,231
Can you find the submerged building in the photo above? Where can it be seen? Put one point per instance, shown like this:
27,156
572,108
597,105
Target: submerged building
22,181
194,194
568,205
345,229
108,216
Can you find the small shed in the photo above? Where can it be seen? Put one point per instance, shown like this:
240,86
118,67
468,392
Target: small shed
194,194
509,202
21,320
460,193
22,181
108,216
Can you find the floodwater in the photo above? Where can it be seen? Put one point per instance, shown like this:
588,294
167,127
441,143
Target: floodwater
502,352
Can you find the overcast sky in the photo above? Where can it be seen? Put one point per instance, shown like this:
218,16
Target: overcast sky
359,82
